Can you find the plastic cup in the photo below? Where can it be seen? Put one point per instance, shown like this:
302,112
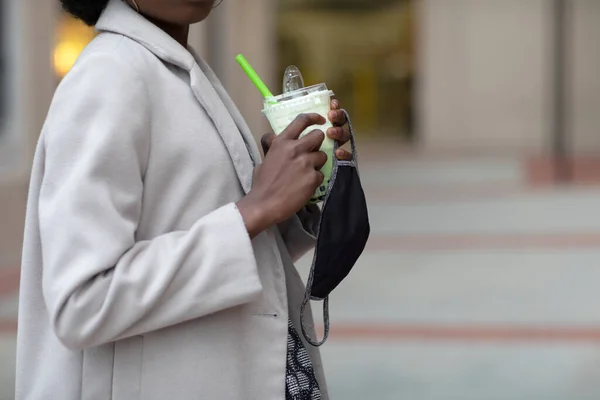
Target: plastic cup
283,109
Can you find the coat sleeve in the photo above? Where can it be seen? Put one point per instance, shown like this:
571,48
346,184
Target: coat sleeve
300,232
99,283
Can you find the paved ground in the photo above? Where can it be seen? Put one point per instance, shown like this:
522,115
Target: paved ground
475,286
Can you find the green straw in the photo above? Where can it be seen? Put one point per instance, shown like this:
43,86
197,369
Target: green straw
264,90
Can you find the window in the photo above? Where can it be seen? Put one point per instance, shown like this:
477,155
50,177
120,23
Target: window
363,50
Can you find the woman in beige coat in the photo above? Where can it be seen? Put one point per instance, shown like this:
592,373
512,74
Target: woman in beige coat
159,250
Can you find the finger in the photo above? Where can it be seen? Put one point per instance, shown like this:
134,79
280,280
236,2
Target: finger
341,134
337,117
266,141
300,124
343,155
312,141
335,104
319,178
317,159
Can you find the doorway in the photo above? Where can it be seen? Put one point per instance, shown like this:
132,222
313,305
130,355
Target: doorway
364,50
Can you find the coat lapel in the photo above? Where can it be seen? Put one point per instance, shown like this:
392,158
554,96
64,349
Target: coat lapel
121,19
236,145
233,110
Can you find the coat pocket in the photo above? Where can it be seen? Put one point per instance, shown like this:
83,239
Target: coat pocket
127,370
97,372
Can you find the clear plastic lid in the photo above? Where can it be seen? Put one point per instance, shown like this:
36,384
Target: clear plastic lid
305,91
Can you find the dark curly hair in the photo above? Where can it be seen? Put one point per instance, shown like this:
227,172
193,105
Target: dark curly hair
86,10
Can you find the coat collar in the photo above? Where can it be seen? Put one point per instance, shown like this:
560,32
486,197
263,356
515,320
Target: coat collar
119,18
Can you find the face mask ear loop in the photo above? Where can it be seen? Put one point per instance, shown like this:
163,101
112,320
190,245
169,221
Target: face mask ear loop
305,302
352,140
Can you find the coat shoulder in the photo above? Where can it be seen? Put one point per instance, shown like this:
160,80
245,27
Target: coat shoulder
108,78
113,52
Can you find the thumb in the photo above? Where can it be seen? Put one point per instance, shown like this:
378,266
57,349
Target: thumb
266,142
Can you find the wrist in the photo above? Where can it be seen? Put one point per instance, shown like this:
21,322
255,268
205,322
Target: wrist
255,215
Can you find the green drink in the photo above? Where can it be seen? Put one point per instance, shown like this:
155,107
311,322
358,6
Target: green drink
283,109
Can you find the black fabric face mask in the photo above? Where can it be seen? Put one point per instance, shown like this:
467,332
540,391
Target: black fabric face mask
343,233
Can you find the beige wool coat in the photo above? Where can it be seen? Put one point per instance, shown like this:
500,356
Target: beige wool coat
139,280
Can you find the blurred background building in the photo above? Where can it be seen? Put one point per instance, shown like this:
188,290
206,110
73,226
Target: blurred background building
480,281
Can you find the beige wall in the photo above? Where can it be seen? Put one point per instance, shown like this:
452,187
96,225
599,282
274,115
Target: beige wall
484,73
